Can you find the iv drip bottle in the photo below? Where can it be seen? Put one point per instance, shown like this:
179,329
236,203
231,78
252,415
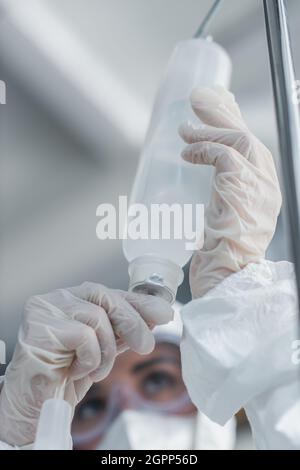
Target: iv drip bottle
155,264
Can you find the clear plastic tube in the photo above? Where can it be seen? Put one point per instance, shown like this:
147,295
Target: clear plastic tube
54,427
163,177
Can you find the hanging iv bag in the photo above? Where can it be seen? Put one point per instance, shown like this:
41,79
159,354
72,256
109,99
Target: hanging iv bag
165,184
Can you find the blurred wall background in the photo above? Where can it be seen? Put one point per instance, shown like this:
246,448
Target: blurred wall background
81,78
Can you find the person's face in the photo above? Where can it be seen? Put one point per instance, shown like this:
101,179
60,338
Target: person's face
153,382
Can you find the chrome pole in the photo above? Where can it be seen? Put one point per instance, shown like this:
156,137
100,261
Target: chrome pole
287,112
202,30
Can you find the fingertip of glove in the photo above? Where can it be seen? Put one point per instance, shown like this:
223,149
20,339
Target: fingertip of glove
186,154
147,344
141,339
101,373
152,308
204,96
161,309
185,129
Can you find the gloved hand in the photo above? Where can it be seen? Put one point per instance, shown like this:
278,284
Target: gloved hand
241,217
76,334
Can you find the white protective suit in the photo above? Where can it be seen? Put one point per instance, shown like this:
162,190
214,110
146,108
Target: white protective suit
237,351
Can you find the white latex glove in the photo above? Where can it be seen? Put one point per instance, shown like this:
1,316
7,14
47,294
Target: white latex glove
74,333
241,217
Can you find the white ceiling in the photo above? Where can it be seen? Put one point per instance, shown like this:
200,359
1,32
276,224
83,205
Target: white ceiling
136,37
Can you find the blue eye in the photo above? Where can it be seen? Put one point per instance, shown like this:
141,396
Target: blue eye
90,409
157,382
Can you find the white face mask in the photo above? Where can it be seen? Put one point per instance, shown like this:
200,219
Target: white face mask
143,430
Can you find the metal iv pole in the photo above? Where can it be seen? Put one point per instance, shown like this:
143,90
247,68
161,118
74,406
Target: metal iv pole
287,113
201,31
